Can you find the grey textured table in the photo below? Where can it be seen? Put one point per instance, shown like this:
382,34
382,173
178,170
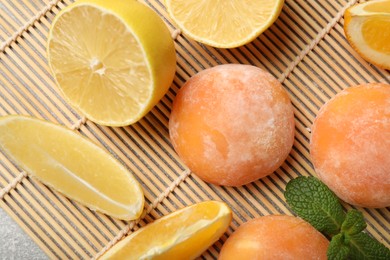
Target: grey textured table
15,243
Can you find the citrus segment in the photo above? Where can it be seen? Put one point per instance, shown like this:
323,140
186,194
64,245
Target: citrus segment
106,60
184,234
72,165
367,27
224,23
373,34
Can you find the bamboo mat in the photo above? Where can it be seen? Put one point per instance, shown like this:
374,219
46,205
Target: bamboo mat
305,49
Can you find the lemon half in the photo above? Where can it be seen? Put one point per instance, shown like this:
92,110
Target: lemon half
224,23
113,60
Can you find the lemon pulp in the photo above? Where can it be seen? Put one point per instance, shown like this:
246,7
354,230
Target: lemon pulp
113,60
224,23
72,165
184,234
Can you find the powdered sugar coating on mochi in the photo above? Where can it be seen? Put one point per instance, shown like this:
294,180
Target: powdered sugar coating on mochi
232,124
350,145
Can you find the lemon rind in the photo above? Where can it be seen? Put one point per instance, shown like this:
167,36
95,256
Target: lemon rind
253,35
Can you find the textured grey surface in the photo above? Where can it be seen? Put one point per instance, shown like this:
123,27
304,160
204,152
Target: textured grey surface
15,243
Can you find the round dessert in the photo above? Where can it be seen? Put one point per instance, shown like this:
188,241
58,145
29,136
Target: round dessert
232,124
350,145
275,237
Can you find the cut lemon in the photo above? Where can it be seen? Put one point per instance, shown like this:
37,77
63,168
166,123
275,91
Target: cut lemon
72,165
184,234
113,60
367,27
224,23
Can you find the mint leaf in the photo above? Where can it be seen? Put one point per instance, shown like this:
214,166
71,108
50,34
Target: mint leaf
353,223
337,249
363,246
316,203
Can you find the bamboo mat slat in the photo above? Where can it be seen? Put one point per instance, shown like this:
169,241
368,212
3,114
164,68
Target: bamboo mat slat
305,49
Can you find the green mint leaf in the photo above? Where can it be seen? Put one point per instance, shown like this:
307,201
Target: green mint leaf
313,201
353,223
363,246
337,249
317,204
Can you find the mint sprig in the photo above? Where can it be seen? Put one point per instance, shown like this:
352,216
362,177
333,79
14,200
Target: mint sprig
364,246
338,249
313,201
353,223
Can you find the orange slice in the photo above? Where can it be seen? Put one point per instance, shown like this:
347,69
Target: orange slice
184,234
367,27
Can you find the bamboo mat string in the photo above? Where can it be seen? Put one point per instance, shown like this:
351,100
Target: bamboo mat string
175,34
385,79
315,41
27,25
79,123
12,185
83,119
149,209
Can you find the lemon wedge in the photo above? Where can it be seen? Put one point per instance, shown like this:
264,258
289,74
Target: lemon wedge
113,60
367,27
72,165
224,23
184,234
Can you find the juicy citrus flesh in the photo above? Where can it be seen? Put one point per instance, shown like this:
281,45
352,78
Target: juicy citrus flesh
224,23
367,27
102,66
184,234
373,33
72,165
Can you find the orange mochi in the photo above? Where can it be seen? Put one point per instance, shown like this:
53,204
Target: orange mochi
275,237
232,124
350,145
